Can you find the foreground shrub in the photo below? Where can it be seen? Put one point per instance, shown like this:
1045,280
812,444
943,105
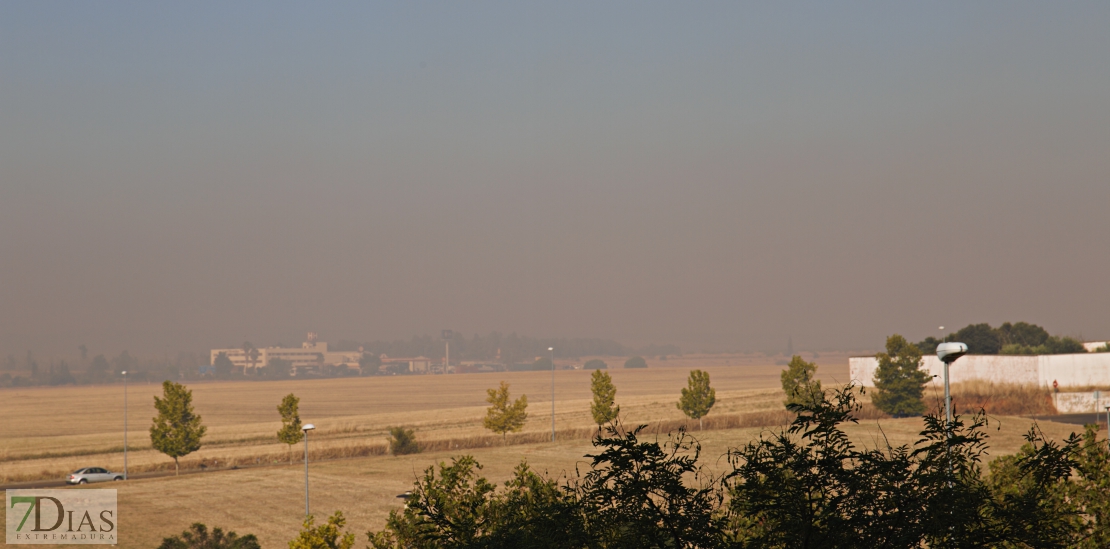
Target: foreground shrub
325,536
197,537
805,486
402,441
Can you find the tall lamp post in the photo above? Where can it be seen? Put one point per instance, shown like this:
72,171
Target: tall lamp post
306,429
552,351
124,373
948,353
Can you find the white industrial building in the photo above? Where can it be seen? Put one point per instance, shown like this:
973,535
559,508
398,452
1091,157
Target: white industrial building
1075,370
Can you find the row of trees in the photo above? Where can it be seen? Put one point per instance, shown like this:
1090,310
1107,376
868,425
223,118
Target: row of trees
504,349
509,416
29,371
1019,338
177,430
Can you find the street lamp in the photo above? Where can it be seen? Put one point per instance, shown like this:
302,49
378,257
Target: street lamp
552,351
306,429
124,373
948,353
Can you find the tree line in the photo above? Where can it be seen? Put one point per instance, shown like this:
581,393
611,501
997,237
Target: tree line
1019,338
504,349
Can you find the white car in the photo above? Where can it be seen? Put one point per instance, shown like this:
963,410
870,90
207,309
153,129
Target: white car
92,474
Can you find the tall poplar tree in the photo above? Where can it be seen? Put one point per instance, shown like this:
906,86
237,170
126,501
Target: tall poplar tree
177,429
604,392
698,397
290,432
503,416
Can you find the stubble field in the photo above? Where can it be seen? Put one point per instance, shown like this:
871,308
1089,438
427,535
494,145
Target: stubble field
61,429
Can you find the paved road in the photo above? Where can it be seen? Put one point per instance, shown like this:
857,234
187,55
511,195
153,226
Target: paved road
61,483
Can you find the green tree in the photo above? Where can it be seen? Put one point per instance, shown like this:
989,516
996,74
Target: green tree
277,368
290,432
98,370
1022,333
899,379
177,429
635,362
369,363
981,339
325,536
222,365
798,382
197,537
698,397
595,364
402,441
503,416
542,364
603,409
1089,488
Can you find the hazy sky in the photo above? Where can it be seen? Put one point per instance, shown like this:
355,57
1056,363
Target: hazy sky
177,176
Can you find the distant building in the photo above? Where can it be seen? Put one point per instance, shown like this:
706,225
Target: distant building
311,354
418,365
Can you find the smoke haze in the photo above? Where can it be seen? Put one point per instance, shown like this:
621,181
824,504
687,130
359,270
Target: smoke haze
722,176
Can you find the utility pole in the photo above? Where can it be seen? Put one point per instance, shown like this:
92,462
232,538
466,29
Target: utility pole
125,425
552,351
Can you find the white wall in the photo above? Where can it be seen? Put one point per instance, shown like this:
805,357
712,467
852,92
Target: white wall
1068,370
1081,403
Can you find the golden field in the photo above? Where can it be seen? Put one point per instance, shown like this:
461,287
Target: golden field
60,429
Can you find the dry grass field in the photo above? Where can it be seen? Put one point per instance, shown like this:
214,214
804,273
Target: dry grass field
60,429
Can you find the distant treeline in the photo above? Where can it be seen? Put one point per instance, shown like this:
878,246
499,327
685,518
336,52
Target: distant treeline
514,349
503,349
1019,338
30,370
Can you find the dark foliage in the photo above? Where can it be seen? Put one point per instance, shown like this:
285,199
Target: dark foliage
807,486
198,537
1019,338
402,441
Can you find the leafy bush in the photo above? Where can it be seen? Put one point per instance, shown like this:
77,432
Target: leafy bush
635,362
402,441
806,486
325,536
596,364
1052,346
197,537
